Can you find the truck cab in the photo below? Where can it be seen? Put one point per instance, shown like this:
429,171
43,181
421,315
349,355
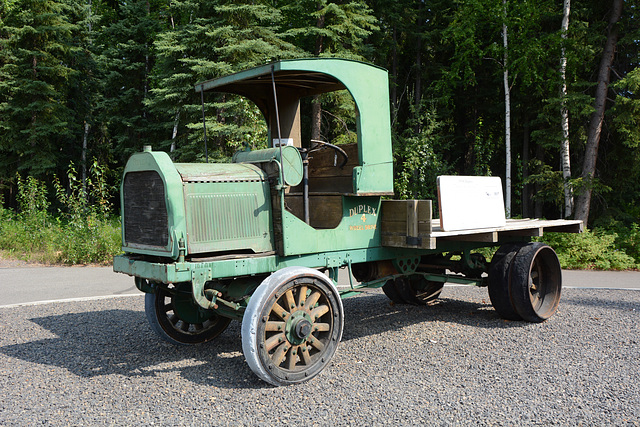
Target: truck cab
266,199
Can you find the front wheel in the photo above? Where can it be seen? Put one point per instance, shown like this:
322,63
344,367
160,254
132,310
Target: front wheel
175,317
292,326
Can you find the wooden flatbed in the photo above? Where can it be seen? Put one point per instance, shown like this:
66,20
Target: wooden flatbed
409,224
514,227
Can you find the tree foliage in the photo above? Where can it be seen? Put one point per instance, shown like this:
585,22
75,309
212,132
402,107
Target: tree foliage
99,79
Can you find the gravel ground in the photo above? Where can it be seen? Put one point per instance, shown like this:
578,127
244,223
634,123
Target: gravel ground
455,363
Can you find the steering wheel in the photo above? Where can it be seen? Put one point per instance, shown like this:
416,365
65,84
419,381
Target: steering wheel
321,145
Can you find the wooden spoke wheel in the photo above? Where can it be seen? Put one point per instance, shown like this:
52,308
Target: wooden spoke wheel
535,282
292,326
175,316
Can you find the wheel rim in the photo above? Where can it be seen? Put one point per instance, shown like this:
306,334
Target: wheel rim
299,330
176,317
544,283
535,287
535,282
429,292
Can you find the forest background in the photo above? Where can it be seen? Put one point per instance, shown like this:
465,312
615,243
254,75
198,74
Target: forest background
551,85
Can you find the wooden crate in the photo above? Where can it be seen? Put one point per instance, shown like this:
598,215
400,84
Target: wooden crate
407,224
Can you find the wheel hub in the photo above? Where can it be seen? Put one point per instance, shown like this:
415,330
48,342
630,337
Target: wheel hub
303,329
299,327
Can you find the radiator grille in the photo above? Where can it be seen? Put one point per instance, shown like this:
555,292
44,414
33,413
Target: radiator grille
215,217
145,210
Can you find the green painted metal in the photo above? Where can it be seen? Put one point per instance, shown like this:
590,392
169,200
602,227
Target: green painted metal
287,159
211,207
218,172
225,216
249,266
184,306
162,164
359,228
367,84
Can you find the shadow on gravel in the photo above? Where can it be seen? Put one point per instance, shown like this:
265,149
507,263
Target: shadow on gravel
120,342
375,314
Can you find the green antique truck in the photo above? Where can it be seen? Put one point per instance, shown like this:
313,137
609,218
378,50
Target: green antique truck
262,239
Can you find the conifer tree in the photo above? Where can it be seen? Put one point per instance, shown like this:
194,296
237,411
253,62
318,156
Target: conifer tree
329,28
36,55
207,39
126,58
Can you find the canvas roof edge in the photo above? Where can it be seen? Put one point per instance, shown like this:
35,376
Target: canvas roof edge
369,87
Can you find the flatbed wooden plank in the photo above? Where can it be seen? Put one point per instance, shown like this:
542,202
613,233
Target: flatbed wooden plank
488,237
406,224
513,227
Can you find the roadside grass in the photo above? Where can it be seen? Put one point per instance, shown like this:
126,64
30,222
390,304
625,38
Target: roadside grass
49,240
83,231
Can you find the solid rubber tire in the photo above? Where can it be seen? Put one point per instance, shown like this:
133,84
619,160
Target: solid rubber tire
542,260
391,292
499,281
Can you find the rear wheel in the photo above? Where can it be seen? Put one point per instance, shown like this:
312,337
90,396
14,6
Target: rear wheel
417,290
390,291
175,317
535,282
499,281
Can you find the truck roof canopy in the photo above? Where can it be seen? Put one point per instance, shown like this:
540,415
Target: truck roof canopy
299,78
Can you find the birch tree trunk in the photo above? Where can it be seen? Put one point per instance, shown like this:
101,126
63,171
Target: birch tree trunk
595,126
526,193
564,113
83,157
507,113
174,134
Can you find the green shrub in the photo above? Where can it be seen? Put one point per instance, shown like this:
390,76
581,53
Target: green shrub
629,241
82,233
96,242
58,242
627,237
590,250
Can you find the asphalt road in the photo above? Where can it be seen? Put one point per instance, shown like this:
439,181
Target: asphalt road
25,284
